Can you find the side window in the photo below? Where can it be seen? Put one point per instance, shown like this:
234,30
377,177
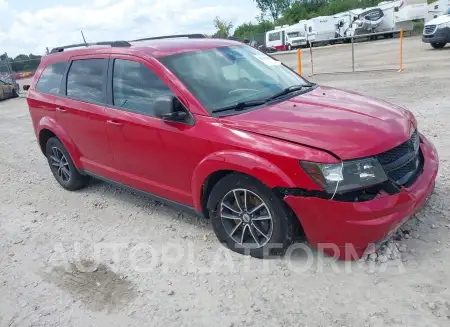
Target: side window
135,87
86,80
274,36
51,77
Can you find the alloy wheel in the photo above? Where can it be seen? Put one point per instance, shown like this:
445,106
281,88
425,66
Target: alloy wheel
60,165
246,218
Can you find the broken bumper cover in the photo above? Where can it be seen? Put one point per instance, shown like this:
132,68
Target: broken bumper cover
349,227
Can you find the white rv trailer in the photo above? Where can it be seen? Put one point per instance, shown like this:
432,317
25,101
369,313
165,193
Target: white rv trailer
320,29
343,21
365,21
295,36
399,14
277,38
436,9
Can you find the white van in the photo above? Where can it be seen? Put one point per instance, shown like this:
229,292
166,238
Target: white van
437,31
295,36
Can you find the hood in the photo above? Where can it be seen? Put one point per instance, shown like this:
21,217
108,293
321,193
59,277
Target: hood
344,123
439,20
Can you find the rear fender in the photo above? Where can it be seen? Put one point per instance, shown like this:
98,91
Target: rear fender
51,125
242,162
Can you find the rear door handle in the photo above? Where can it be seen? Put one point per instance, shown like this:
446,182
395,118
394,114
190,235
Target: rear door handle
115,122
61,109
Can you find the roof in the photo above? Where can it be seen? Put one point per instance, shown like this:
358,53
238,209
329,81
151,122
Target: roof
152,48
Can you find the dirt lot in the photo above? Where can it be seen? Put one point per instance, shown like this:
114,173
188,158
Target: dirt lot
156,266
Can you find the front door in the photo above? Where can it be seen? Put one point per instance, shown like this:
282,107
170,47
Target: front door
147,151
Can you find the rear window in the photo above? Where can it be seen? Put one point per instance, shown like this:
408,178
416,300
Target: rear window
51,77
86,80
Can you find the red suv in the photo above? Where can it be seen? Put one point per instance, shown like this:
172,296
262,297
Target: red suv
220,128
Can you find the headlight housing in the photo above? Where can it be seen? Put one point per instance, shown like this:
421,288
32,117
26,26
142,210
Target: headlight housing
346,176
444,25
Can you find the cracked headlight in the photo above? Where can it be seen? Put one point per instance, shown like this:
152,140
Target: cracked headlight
346,176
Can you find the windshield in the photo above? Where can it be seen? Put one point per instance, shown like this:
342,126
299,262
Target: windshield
224,76
293,34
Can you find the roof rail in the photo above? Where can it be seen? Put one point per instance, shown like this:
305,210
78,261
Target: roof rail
110,43
189,36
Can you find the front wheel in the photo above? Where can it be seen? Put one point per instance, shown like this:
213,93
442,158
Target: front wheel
438,45
248,218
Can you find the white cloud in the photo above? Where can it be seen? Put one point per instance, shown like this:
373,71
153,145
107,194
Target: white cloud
32,31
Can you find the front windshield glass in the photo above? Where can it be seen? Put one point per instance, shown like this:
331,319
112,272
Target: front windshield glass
293,34
224,76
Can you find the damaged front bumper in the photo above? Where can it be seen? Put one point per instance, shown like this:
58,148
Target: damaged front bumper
351,226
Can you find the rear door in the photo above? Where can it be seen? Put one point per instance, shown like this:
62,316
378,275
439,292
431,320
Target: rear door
82,114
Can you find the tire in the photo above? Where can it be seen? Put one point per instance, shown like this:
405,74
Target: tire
230,222
66,175
438,45
14,93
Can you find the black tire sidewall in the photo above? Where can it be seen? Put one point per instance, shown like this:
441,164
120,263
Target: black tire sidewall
282,235
76,180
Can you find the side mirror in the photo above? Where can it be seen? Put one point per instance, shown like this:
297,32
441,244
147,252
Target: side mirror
165,108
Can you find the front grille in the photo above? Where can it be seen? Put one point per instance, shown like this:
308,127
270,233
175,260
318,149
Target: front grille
402,162
429,29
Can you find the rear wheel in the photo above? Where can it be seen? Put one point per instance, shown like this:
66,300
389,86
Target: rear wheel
248,218
62,166
438,45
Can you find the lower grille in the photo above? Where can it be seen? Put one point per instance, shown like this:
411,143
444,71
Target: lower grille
402,162
429,29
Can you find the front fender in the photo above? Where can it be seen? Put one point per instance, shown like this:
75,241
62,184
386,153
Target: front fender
48,123
238,161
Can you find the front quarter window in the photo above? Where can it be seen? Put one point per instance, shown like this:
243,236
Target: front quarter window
224,76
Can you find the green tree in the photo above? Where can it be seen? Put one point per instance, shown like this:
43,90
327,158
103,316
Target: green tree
223,28
274,7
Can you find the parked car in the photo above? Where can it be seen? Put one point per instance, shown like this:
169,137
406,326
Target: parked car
223,130
437,31
8,88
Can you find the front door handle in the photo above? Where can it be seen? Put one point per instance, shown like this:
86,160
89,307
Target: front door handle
61,109
115,122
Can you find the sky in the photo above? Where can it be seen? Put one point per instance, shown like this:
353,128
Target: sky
29,26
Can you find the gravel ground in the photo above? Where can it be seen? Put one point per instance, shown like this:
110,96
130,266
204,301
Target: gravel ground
104,256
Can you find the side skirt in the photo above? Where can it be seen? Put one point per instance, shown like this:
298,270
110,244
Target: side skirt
152,196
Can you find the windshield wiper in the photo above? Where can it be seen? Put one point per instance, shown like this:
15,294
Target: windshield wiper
241,106
288,90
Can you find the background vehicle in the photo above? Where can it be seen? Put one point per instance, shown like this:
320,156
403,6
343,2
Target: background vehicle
8,88
400,14
436,9
277,38
295,36
437,31
321,29
265,49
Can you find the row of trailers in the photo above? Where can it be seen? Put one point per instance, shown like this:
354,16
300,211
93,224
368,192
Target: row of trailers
382,20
